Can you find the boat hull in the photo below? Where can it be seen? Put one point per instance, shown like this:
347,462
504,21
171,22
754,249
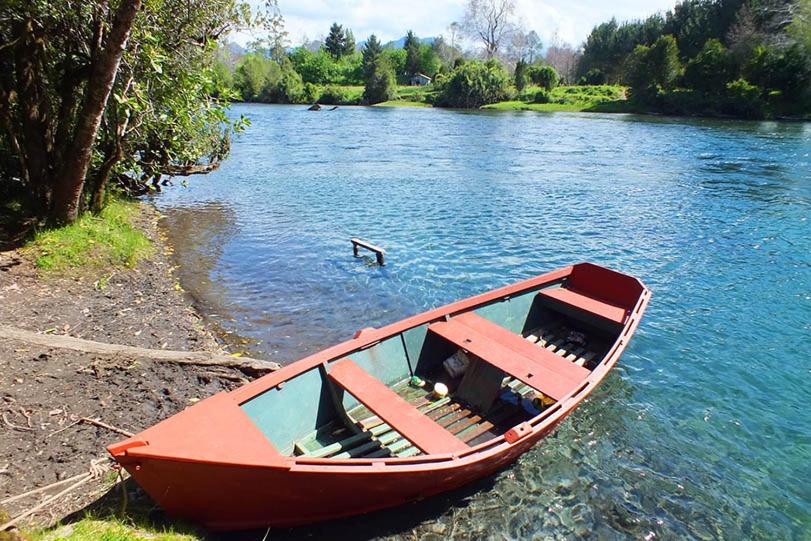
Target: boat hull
213,465
234,497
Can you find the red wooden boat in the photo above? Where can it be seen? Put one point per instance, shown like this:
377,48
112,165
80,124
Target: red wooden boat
351,429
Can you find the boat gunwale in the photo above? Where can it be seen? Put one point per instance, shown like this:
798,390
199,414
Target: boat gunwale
369,337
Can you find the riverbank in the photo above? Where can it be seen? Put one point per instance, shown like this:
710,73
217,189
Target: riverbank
47,395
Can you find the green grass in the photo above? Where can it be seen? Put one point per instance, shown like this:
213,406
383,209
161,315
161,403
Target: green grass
353,93
108,529
602,98
93,242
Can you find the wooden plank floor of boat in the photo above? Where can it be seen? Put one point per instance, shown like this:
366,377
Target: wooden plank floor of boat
376,439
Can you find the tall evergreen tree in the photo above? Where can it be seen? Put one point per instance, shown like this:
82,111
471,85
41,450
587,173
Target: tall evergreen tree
335,41
371,53
521,78
412,48
349,43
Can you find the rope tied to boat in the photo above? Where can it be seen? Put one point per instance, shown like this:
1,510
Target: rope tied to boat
96,469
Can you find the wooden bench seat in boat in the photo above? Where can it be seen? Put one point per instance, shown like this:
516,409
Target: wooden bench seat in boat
402,416
521,345
540,369
568,297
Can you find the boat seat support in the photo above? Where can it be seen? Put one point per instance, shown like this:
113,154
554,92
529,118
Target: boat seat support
402,416
537,369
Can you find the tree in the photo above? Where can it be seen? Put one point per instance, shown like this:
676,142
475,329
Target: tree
396,58
60,63
787,69
489,21
381,85
412,49
371,54
335,41
610,43
349,43
429,60
520,76
252,75
314,67
68,191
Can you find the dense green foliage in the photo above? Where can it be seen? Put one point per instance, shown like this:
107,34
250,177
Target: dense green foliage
381,85
93,93
544,76
473,84
380,82
652,70
298,75
730,57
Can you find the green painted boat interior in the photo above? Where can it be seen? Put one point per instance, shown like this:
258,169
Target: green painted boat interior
311,416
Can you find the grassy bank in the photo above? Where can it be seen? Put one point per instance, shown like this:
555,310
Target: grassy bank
602,98
94,242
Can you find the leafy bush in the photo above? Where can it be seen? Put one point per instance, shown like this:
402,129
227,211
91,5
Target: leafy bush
333,95
544,76
542,96
521,75
744,99
287,88
311,93
473,84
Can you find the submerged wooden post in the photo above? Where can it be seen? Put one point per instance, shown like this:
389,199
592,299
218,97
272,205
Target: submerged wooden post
379,252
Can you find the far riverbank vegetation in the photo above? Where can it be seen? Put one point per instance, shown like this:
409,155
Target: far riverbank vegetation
737,58
121,96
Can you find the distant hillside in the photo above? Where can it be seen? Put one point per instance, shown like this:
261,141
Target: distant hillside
399,43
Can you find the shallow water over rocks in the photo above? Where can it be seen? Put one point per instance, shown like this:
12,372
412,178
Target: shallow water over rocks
701,432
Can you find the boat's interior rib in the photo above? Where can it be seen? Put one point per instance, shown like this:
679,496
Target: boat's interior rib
509,377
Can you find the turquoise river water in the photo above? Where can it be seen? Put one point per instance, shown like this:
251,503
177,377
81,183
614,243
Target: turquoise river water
703,431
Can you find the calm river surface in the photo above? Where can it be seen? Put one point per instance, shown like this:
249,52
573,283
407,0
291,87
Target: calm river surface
704,428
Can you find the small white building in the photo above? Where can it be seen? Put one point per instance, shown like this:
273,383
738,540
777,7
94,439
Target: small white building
420,79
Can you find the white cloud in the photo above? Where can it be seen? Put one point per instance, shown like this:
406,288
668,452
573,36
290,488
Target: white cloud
571,19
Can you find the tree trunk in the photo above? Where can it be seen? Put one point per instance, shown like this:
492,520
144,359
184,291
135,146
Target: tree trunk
103,177
71,177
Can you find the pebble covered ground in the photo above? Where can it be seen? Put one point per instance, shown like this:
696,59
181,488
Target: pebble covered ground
44,392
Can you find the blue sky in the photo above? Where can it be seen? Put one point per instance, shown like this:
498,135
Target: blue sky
572,19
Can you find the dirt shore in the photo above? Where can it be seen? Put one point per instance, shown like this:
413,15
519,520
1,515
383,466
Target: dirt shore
44,392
